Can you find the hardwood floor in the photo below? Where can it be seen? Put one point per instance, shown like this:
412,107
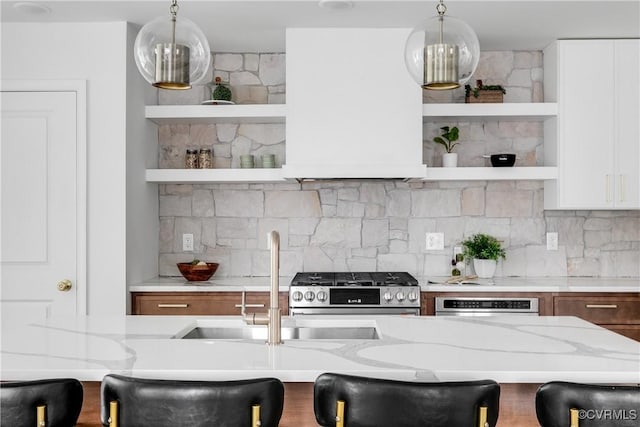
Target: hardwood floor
517,405
90,415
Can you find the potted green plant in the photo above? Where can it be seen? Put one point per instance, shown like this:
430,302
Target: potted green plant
220,91
483,93
485,251
448,141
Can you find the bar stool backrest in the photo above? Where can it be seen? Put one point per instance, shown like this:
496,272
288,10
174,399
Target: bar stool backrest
565,404
370,402
137,402
57,402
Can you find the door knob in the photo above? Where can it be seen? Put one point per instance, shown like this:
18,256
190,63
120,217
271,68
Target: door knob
64,285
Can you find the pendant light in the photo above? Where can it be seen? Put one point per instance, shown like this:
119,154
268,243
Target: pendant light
442,53
172,53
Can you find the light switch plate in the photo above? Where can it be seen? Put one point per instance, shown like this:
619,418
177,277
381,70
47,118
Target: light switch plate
435,241
552,241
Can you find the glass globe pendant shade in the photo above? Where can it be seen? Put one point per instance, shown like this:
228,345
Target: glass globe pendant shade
170,62
442,54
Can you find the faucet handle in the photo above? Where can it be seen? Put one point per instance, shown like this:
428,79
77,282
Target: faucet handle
243,305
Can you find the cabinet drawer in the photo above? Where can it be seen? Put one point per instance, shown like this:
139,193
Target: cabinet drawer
601,309
172,305
629,331
201,303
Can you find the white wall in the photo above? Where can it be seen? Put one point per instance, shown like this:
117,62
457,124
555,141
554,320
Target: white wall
97,53
142,198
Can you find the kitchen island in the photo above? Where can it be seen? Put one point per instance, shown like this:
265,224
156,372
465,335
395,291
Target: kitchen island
519,352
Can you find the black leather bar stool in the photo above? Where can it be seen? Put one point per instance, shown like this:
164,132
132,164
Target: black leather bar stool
137,402
351,401
48,403
564,404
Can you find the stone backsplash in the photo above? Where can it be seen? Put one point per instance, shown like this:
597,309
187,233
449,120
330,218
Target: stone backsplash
369,225
381,225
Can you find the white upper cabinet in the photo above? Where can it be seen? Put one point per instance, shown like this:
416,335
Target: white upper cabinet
627,124
595,140
353,111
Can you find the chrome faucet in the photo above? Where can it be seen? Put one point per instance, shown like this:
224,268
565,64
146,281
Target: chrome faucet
272,318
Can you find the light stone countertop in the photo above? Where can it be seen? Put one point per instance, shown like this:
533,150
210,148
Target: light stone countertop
223,284
535,284
498,284
508,349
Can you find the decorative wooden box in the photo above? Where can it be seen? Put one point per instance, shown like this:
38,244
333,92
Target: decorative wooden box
485,96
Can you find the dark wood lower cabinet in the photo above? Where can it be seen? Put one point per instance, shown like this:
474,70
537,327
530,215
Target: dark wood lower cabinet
202,303
517,405
629,331
619,312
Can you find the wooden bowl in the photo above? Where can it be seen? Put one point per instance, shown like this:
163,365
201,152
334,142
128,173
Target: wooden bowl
197,273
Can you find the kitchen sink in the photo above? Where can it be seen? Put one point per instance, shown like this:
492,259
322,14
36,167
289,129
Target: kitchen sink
288,333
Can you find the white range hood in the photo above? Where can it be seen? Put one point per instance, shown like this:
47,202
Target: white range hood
353,111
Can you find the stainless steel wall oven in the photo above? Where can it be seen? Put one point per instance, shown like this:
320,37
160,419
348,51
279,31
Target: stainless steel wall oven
485,306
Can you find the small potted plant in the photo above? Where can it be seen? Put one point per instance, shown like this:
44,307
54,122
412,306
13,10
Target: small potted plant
483,93
485,251
220,91
448,141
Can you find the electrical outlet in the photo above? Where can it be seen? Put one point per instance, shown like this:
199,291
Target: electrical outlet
435,241
552,241
187,242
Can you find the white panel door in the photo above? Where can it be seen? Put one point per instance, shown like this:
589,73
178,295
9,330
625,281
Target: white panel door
39,202
627,128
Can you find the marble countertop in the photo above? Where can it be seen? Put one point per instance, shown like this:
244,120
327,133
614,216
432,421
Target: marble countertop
433,284
535,284
508,349
223,284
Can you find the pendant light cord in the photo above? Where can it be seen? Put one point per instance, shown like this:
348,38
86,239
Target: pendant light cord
441,9
173,9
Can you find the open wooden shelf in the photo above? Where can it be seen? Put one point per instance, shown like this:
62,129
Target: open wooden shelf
491,173
254,113
531,111
205,176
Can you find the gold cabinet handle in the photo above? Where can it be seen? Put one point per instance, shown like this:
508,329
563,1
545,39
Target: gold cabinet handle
173,305
608,188
601,306
250,305
65,285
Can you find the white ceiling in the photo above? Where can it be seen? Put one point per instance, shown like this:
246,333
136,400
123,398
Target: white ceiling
258,25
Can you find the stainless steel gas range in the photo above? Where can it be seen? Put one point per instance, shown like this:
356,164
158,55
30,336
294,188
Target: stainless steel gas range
354,293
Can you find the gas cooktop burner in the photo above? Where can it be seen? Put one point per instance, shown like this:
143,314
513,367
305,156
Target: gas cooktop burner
354,279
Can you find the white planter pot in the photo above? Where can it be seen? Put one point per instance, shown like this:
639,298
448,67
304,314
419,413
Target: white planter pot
450,160
485,268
